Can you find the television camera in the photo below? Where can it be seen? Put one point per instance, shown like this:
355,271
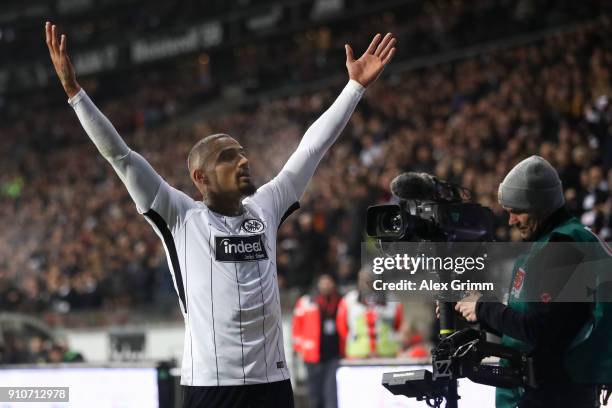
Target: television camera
431,210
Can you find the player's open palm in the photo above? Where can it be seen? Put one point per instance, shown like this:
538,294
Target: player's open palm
61,60
369,66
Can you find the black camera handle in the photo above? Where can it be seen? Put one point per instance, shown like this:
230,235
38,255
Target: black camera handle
447,328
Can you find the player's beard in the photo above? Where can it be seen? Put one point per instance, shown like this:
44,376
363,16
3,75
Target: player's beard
248,189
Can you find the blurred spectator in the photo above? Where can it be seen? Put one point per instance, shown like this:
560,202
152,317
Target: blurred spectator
59,353
368,323
599,218
14,349
37,351
316,340
413,344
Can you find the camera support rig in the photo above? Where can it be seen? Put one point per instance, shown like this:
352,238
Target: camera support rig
460,355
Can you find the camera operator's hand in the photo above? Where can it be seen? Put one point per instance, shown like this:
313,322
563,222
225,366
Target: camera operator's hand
467,307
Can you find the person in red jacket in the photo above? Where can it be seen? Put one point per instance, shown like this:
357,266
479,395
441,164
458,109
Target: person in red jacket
315,338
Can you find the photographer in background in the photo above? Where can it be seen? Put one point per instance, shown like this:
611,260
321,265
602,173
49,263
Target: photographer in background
533,196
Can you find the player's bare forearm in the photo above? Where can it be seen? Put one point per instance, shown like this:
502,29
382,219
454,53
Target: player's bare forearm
72,89
61,60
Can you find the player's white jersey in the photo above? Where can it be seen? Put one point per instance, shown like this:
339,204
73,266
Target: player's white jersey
224,270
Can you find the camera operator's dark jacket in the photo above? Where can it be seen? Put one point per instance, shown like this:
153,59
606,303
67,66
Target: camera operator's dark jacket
544,329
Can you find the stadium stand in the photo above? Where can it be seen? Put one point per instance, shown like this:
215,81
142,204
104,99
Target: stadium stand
72,239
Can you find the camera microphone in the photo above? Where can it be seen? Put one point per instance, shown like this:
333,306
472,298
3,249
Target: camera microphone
413,186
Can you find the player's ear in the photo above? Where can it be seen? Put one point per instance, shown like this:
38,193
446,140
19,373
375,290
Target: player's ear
199,176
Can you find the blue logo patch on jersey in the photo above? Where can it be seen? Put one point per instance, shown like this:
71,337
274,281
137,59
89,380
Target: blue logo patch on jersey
252,226
240,248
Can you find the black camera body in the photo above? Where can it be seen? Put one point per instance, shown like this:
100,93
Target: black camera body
412,220
429,210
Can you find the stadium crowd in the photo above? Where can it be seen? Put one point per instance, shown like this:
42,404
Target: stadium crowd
72,238
14,349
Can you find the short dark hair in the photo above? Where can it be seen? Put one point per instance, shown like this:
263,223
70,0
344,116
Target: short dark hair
200,150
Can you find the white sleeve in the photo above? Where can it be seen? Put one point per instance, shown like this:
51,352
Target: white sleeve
141,180
320,136
289,185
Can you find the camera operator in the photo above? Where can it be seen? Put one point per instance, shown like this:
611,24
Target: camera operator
533,196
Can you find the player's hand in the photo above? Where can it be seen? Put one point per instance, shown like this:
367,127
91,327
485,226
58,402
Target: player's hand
369,66
467,307
61,60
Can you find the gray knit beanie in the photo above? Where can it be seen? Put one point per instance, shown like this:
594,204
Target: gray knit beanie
532,185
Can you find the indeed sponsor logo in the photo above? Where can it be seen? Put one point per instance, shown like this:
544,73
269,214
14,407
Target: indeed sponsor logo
240,248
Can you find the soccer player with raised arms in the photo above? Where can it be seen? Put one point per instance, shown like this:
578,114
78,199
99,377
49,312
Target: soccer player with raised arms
222,250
